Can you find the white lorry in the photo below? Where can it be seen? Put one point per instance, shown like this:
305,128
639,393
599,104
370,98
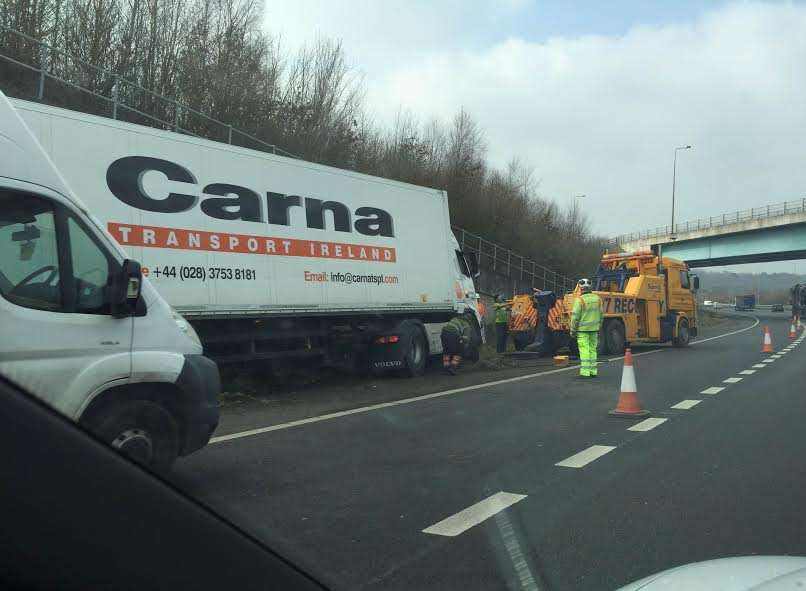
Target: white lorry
79,325
272,259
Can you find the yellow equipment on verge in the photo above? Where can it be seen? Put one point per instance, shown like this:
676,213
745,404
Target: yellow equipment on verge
522,321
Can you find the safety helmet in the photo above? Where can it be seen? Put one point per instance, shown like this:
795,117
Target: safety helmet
585,284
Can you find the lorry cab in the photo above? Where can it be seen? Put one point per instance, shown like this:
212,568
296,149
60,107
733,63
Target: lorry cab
81,328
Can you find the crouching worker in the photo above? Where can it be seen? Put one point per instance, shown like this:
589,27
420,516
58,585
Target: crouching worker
459,340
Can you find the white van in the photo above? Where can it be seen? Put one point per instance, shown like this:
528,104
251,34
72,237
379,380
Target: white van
79,325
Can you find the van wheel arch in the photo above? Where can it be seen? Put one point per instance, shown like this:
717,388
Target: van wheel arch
168,396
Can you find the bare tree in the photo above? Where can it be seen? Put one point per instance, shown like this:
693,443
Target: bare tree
213,57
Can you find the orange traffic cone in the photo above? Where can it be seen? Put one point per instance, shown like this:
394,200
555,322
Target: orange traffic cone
767,348
792,333
628,407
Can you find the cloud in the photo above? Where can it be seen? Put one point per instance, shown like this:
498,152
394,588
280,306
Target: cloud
601,114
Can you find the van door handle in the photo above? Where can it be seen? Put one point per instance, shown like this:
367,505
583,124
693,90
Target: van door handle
110,342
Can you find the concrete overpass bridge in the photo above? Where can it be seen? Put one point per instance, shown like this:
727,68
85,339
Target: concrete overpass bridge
762,234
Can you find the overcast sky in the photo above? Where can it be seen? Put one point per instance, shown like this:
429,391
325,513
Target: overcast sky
595,95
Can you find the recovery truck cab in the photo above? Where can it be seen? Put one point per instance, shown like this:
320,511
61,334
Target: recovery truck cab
645,299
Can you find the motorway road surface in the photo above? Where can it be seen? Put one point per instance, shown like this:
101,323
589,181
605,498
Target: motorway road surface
464,491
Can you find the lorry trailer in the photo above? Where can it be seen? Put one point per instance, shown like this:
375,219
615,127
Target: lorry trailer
272,259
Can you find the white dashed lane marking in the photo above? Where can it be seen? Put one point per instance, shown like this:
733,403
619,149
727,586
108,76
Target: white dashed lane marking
747,372
473,515
732,380
759,366
585,457
686,404
713,390
768,361
775,356
647,424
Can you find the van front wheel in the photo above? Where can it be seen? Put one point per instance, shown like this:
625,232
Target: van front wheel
141,430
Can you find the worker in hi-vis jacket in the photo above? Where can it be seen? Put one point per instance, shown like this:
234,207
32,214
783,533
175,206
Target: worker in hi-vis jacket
586,322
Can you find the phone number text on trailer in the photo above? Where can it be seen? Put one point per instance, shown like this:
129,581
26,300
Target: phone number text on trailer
199,273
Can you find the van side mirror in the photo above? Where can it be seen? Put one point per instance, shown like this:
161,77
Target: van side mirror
472,263
696,281
126,289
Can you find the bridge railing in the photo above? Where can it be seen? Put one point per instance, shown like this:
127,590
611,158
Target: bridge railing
755,213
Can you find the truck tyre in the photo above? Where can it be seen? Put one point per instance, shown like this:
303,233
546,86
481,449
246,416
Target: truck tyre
142,430
415,355
683,334
614,337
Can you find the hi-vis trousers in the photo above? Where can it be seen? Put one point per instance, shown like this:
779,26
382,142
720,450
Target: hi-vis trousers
588,343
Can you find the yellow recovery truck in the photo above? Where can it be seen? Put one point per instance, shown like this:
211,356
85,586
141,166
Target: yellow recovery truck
643,302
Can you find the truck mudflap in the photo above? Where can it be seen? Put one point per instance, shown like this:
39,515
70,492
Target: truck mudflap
388,356
200,383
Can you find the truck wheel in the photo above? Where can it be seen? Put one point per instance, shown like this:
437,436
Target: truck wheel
416,354
614,337
144,431
683,335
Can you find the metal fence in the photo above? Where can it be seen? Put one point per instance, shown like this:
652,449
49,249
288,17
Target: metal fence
499,259
60,79
756,213
33,70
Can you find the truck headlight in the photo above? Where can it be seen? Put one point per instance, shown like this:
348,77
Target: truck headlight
185,326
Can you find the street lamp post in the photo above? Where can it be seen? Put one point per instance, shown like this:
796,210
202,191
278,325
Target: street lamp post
674,179
576,198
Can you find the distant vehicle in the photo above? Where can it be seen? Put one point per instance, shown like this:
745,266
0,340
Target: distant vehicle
777,308
745,303
798,299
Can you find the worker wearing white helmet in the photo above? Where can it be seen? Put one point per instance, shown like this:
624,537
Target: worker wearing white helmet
586,322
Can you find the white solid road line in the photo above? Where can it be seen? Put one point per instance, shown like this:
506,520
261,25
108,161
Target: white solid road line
647,424
759,366
686,404
473,515
713,390
727,334
586,456
732,380
747,372
363,409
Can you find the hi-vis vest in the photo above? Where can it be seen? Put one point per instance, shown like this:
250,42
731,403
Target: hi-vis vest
587,313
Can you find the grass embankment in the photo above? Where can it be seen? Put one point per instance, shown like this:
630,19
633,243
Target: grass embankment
707,318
